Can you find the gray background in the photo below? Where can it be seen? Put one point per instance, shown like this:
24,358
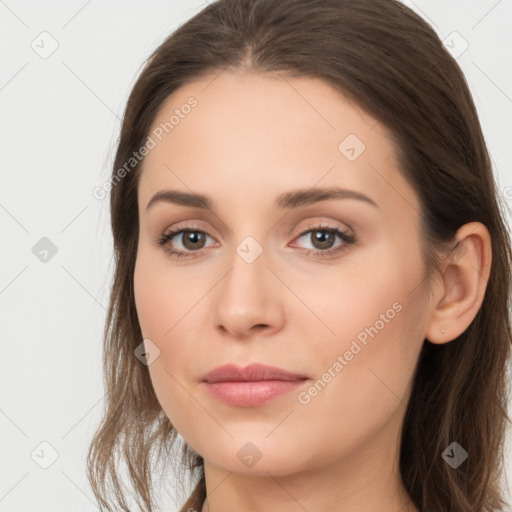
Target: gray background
60,116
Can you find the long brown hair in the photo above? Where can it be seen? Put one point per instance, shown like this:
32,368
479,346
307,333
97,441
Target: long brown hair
390,62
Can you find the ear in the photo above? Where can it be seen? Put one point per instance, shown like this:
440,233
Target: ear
463,284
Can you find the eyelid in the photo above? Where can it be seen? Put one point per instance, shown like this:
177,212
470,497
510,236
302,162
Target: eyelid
311,224
346,235
317,223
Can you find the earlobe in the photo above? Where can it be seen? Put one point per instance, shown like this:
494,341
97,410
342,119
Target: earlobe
463,284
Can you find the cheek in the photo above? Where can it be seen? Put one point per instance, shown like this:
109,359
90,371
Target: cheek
161,297
370,337
163,302
361,303
362,379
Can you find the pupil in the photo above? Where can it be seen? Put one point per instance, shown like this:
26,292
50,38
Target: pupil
193,237
324,237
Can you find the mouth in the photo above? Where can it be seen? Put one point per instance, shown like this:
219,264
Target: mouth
251,386
251,373
251,393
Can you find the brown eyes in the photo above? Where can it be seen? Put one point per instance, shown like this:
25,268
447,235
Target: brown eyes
193,241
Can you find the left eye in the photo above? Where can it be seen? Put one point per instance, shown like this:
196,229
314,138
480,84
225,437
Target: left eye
323,239
193,240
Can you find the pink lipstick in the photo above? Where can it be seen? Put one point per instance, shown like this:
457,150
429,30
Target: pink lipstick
252,385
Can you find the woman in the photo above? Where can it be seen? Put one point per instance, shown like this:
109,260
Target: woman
312,269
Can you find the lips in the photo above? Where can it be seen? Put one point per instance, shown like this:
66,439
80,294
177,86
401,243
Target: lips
251,386
251,373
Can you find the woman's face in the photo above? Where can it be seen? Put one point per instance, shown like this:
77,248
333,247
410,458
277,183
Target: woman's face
270,281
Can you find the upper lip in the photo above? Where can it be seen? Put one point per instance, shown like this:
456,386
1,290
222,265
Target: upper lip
252,372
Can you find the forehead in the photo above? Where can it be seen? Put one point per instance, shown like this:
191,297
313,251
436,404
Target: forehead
256,133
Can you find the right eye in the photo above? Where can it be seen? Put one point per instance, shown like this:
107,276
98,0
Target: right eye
192,240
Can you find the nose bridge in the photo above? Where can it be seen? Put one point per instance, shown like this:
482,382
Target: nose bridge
250,249
248,268
247,296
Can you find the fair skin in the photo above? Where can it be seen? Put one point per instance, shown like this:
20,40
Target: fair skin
250,139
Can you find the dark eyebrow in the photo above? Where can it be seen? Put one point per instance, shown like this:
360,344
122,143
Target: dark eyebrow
180,198
313,195
291,199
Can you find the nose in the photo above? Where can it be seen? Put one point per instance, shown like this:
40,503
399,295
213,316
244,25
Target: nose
248,299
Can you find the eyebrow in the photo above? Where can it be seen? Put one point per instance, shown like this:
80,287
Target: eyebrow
293,199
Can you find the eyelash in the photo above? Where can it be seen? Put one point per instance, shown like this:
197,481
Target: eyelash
347,239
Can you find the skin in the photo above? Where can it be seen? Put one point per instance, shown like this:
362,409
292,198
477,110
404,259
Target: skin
251,138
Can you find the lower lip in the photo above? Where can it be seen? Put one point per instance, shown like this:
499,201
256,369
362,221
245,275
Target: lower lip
251,394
